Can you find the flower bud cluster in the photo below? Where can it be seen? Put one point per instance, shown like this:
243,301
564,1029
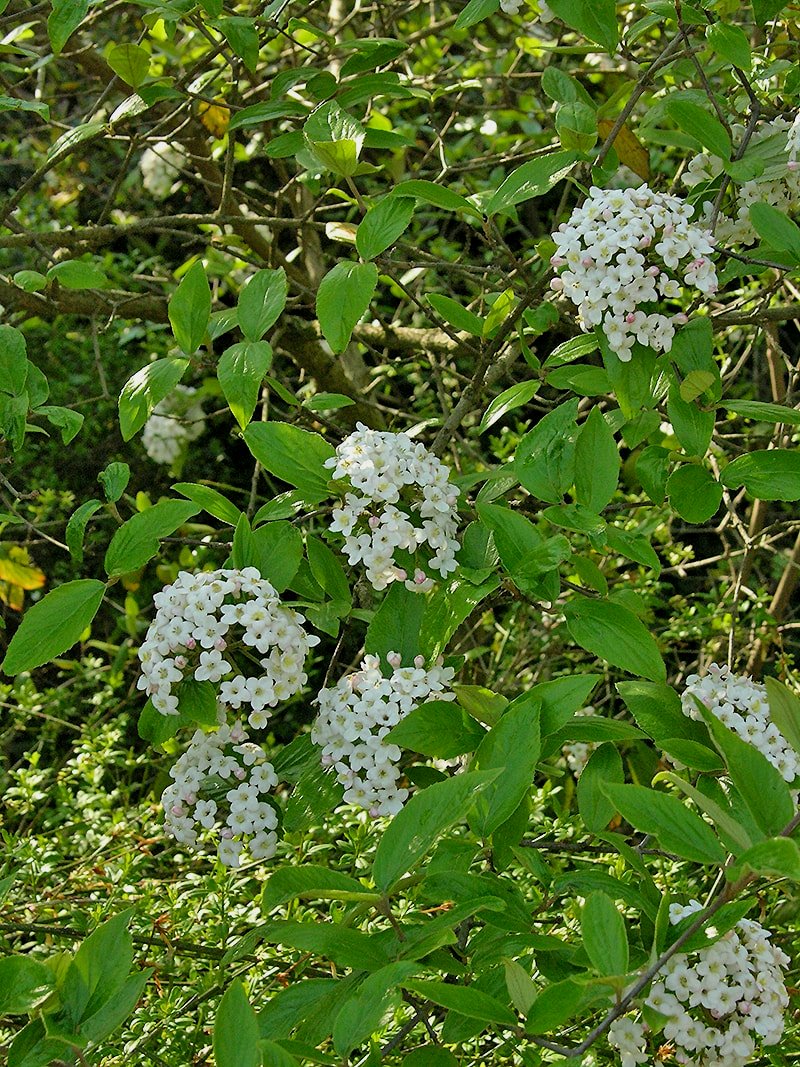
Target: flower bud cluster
402,501
777,145
742,705
356,715
719,1003
160,166
205,623
624,253
175,421
218,796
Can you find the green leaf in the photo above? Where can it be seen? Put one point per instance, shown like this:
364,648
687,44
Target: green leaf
431,1056
66,420
24,984
395,626
604,765
615,634
362,1013
766,10
777,857
236,1030
438,195
426,815
694,493
512,747
732,832
784,710
63,20
731,43
139,539
450,604
275,549
702,126
130,62
545,457
772,474
475,11
693,426
53,625
335,138
115,1009
311,882
516,396
210,500
761,785
534,178
328,402
466,1000
190,309
595,19
242,35
383,224
575,348
261,302
13,361
77,274
98,969
678,829
344,295
774,227
460,317
554,1005
604,935
761,412
597,463
146,388
439,729
652,470
576,124
114,480
327,569
76,528
241,372
335,941
291,454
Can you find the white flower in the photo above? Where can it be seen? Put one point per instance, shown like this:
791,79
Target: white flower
728,998
741,704
160,166
355,716
176,421
230,819
403,502
626,250
199,617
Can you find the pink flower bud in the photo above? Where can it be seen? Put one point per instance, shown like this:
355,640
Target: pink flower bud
587,261
240,773
792,165
226,833
180,662
420,577
680,319
374,813
400,574
630,317
394,659
191,643
419,661
654,272
556,285
176,810
645,242
220,644
374,522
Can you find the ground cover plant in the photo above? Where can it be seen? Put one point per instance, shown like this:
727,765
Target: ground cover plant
398,533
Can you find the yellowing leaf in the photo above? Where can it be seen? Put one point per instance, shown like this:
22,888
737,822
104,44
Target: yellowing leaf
215,117
20,574
628,147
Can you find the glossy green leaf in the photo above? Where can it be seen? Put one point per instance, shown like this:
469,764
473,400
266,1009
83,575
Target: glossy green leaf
383,224
146,388
531,179
678,829
261,302
241,372
139,539
604,936
343,296
236,1031
512,747
190,309
771,474
53,625
701,125
615,634
595,19
426,815
694,493
291,454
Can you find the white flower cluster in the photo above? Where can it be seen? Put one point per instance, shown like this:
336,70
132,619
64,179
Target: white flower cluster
355,717
160,166
175,421
396,481
622,253
720,1003
577,753
218,795
777,145
201,619
742,705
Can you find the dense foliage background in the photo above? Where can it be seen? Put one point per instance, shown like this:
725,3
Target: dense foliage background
317,216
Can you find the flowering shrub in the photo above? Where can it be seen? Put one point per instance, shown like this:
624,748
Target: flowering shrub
447,712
